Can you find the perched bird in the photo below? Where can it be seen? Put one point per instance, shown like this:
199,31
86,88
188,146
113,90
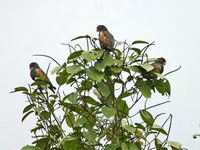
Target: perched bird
106,39
37,72
159,65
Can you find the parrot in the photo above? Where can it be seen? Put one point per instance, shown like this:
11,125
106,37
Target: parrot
37,72
159,65
106,39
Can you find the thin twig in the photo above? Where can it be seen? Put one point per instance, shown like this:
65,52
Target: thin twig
170,125
145,49
150,108
47,57
173,71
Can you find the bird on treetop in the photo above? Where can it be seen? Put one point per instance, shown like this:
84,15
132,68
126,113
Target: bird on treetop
37,72
159,65
106,39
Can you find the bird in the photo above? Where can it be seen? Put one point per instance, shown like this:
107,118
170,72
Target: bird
106,39
159,65
37,72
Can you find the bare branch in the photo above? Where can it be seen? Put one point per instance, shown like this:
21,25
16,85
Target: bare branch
173,71
47,57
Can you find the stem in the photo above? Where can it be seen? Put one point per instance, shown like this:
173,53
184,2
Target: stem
47,57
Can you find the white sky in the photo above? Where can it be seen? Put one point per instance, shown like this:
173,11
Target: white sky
30,27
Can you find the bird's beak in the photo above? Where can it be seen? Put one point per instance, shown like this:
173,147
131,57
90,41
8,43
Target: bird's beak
164,63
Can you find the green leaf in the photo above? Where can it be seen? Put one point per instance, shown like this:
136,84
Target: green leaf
137,50
38,127
72,97
147,67
72,107
70,119
108,112
129,146
122,108
134,69
159,129
119,63
27,108
54,130
39,109
139,42
163,87
108,60
42,142
134,130
144,88
160,87
30,148
62,77
94,74
159,75
90,100
175,145
80,122
96,92
89,124
98,52
73,69
146,117
130,128
140,126
89,56
116,69
158,144
26,115
133,58
40,83
20,89
86,85
56,70
90,136
74,55
113,146
103,63
104,89
167,87
82,37
87,120
71,143
45,115
125,94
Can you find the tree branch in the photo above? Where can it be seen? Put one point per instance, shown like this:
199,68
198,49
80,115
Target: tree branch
47,57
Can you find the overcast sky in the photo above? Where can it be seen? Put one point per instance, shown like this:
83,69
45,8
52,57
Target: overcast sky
30,27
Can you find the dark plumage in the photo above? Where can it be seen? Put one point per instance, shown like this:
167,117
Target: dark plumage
37,72
159,65
106,39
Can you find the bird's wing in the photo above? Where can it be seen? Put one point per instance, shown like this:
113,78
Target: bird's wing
157,67
106,40
109,39
40,73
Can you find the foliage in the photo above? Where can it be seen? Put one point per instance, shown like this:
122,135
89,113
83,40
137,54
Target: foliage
96,95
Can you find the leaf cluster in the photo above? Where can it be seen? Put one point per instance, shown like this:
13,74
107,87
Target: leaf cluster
97,91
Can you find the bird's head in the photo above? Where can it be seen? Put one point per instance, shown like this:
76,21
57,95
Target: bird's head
101,28
33,65
161,60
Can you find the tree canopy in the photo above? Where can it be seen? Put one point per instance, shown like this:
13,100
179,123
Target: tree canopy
95,103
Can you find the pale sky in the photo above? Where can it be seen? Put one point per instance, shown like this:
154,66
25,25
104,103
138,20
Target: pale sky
39,26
